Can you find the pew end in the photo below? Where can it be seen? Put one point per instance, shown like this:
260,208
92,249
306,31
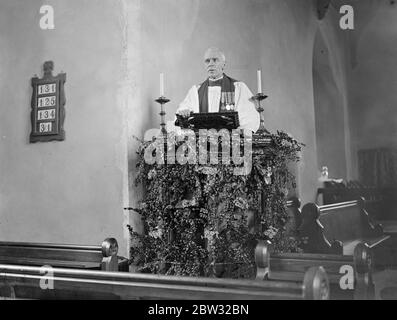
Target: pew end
110,249
316,284
338,228
294,267
262,259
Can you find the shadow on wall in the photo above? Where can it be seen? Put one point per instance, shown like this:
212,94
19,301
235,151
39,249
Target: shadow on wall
328,110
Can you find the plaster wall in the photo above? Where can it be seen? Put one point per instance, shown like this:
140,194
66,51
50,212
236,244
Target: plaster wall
69,191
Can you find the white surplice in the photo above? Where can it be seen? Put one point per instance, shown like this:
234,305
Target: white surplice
248,116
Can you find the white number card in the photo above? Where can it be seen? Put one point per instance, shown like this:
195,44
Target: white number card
47,102
46,88
45,127
46,114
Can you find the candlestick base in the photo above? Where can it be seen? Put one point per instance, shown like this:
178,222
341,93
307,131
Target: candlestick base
162,101
258,98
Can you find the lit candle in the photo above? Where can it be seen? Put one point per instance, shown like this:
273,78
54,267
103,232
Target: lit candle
161,84
259,76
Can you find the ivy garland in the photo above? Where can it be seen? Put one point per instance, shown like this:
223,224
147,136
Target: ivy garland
196,217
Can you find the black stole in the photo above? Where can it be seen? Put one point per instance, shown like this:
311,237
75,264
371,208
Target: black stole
227,94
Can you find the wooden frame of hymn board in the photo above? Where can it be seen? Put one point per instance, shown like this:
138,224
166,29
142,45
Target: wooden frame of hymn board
48,106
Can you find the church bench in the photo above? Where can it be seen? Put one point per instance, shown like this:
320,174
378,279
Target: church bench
377,210
377,202
292,266
389,227
338,228
339,192
24,282
102,257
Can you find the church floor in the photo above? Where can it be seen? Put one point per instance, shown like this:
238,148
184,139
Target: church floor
385,278
385,284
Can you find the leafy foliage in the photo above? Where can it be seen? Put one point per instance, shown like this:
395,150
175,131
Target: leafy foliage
199,219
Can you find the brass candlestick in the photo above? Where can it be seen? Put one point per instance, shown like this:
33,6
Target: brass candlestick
162,101
259,97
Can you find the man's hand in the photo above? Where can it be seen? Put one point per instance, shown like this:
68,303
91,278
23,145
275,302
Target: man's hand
184,112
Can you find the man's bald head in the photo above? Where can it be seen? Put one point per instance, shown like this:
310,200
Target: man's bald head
215,51
215,61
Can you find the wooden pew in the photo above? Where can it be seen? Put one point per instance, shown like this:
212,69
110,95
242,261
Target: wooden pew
339,192
102,257
24,282
338,228
376,209
292,266
378,202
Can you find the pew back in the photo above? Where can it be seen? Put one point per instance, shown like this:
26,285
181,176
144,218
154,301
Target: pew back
344,221
338,228
337,193
24,282
381,201
64,255
292,266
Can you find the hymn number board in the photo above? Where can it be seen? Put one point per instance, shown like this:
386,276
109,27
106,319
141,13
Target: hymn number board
48,101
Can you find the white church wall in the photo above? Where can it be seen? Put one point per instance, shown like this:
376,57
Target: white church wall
373,77
69,191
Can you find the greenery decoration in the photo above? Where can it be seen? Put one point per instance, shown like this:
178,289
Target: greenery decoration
205,220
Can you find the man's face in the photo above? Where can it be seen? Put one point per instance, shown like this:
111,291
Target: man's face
214,63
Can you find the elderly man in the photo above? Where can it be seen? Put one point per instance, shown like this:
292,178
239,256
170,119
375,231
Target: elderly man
220,93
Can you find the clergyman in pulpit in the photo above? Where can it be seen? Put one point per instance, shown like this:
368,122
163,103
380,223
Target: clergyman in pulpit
220,93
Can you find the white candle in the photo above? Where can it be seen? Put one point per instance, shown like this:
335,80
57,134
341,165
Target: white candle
161,84
259,76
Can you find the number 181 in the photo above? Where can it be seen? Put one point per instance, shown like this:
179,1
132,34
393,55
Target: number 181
46,88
